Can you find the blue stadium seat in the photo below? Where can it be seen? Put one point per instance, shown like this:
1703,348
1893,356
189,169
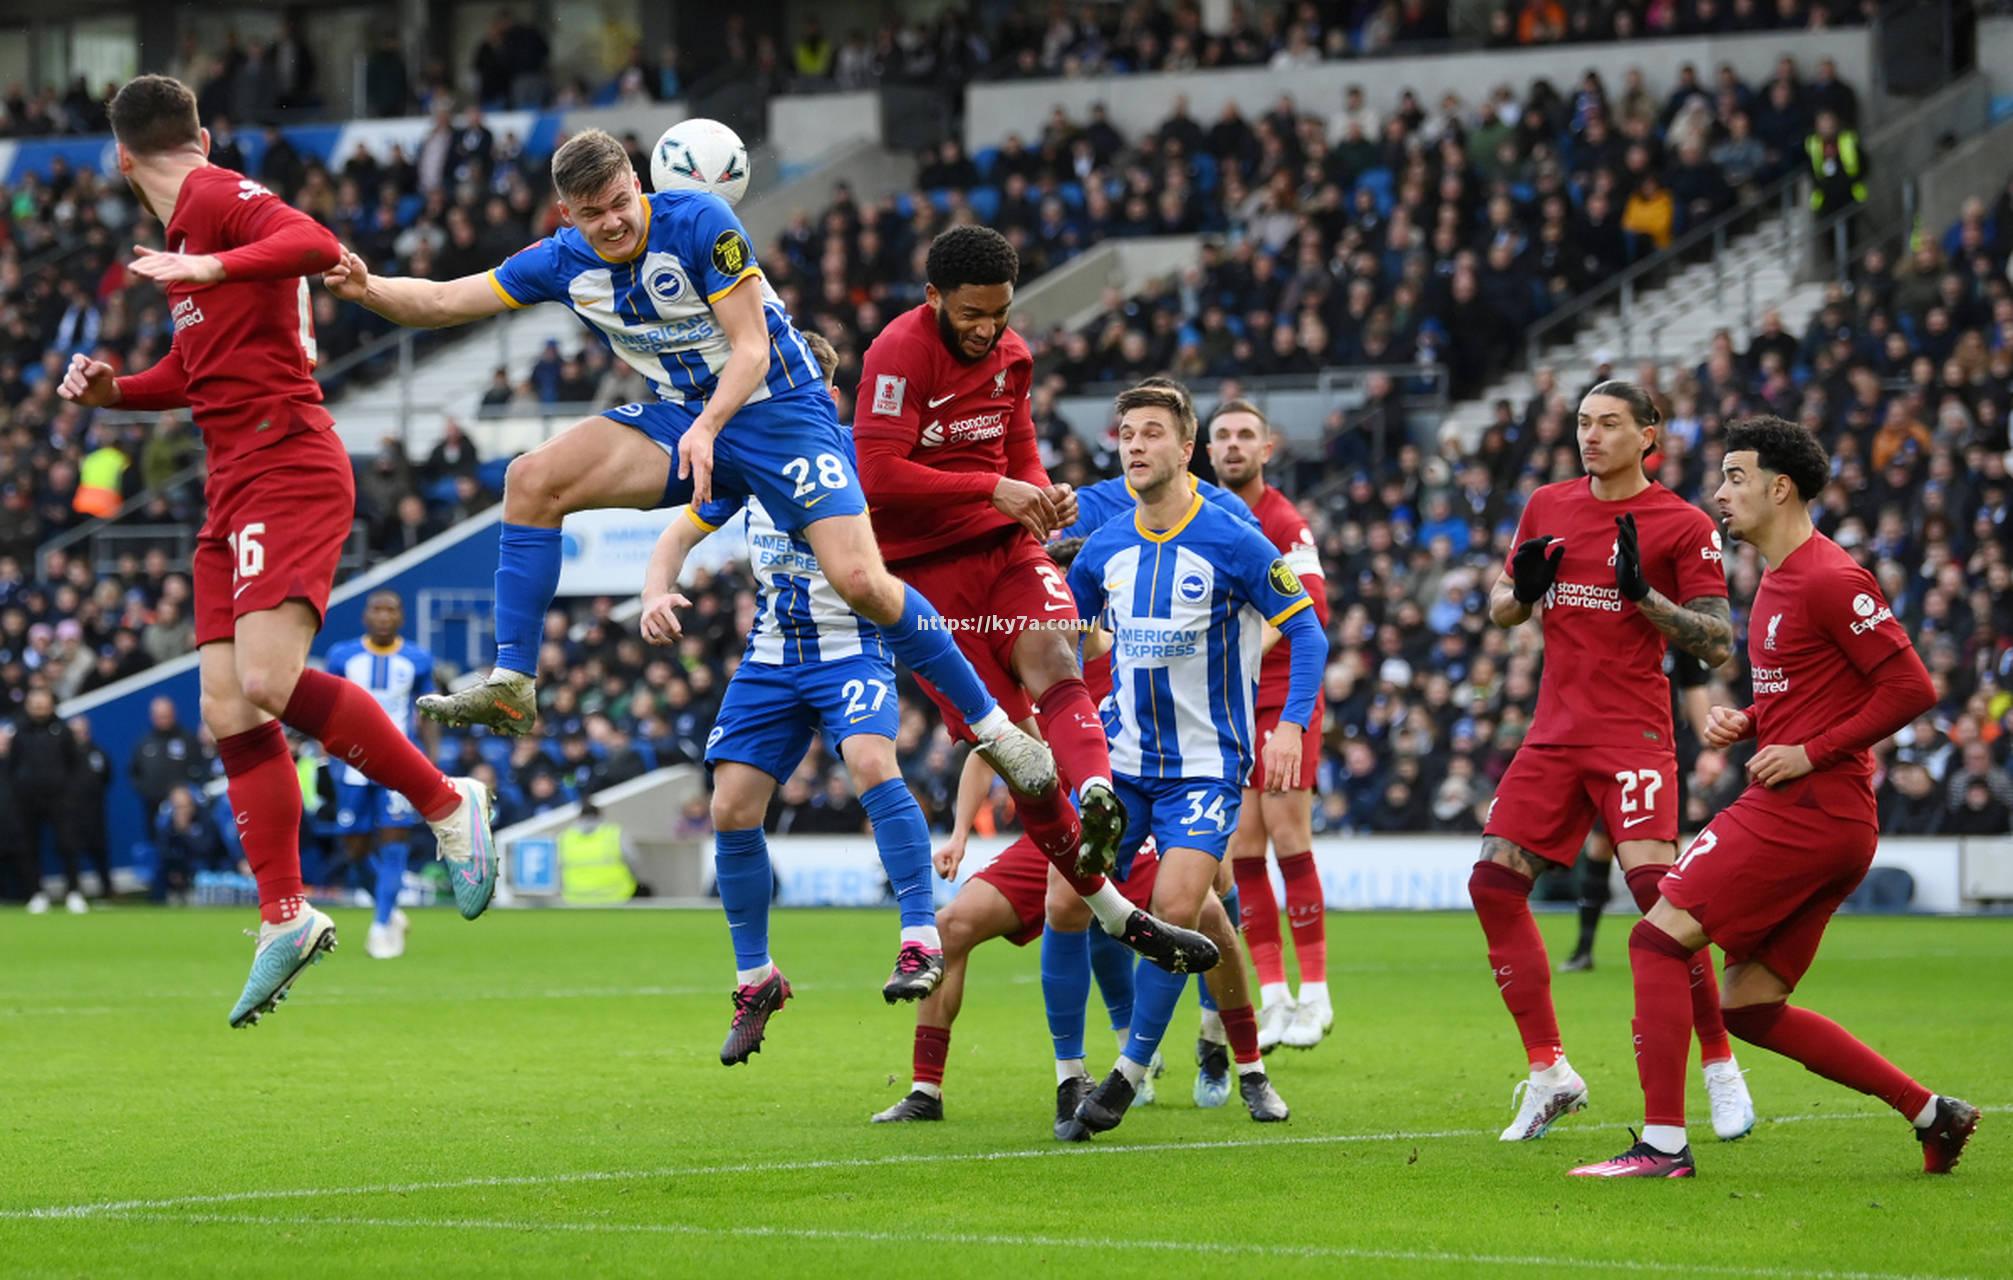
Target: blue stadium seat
495,751
1379,183
1206,172
941,198
1072,196
986,161
491,474
985,202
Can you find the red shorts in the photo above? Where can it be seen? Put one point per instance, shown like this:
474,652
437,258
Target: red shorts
1310,748
1020,873
278,520
1764,878
1548,800
989,592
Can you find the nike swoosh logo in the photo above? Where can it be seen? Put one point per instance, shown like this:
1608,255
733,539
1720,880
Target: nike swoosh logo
1634,822
857,719
943,399
815,501
241,590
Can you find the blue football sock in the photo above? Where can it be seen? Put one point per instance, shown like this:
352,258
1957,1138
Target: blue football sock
1157,992
527,574
1112,961
1202,988
741,862
390,878
1065,988
924,644
1234,907
903,839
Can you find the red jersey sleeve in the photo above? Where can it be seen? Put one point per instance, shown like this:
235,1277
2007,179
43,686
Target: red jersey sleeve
1902,691
275,241
1856,616
885,423
164,386
1697,553
1305,561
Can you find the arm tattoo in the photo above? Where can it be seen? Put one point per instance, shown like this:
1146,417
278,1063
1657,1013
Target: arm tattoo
1702,627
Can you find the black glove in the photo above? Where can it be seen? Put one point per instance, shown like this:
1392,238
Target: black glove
1534,566
1629,560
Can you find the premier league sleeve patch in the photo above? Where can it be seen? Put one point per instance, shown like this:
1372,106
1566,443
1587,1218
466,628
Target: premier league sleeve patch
730,253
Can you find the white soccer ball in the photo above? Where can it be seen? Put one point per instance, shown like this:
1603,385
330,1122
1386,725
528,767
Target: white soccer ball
701,155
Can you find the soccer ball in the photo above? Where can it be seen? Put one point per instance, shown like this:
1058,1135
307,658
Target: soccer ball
701,155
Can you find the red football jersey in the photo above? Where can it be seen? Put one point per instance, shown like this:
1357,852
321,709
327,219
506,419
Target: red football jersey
935,434
246,347
1284,527
1603,682
1819,625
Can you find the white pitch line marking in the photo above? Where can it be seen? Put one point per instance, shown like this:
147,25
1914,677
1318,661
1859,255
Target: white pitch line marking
1108,1245
95,1209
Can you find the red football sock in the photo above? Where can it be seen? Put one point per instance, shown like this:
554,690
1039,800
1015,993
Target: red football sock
1713,1045
266,801
1240,1027
1662,969
1523,973
1052,824
1829,1050
354,729
933,1046
1260,916
1074,731
1306,914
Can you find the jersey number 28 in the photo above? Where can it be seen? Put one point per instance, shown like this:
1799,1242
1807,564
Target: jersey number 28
831,474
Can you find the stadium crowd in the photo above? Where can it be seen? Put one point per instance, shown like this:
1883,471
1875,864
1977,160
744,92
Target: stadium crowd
1356,233
262,80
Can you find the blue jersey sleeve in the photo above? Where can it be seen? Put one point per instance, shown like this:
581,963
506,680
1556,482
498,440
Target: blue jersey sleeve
1267,582
339,654
715,239
531,275
422,669
1096,504
1086,583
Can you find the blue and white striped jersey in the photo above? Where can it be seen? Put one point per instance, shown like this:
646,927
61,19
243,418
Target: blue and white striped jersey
800,618
655,310
1099,504
394,676
1185,609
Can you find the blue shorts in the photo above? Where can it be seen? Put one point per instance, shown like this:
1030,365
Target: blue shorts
768,713
1180,813
789,451
364,807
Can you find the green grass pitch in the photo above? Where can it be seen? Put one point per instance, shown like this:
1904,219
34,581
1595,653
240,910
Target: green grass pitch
540,1093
